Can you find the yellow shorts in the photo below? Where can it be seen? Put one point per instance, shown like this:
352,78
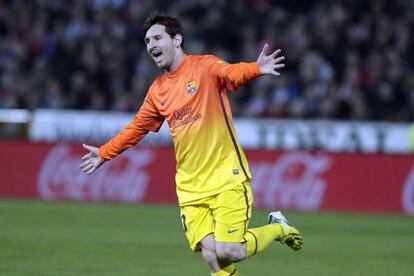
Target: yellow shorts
226,214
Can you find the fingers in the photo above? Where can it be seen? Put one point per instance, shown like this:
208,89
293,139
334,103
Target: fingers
87,167
270,64
91,170
279,59
275,53
264,51
277,62
87,156
277,66
85,163
92,149
91,160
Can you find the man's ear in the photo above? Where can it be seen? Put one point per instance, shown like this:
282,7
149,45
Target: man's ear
178,39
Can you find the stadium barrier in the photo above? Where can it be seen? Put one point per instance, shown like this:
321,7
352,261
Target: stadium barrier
48,125
300,180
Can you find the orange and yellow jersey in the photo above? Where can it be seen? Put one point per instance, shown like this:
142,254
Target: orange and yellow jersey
193,99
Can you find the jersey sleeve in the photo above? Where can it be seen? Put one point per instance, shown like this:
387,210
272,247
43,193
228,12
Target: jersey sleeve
231,76
147,119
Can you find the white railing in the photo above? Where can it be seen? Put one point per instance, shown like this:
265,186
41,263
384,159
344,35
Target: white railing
336,136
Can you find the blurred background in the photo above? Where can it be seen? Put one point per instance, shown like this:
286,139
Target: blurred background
330,141
346,60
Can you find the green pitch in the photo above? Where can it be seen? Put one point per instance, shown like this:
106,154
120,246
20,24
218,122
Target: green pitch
38,238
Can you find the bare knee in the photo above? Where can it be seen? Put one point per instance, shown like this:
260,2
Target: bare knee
208,251
209,256
230,252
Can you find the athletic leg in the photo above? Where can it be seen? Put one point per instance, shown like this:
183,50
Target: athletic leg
217,267
278,229
234,241
231,251
232,212
198,224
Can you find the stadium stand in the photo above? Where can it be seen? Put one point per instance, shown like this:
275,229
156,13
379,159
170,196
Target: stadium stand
347,60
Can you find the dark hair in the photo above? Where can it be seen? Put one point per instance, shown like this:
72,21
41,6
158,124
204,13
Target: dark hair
172,25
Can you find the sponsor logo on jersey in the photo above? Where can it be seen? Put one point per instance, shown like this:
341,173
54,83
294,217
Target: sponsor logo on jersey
191,87
162,102
183,116
181,113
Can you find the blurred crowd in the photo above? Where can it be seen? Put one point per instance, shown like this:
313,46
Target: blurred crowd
350,60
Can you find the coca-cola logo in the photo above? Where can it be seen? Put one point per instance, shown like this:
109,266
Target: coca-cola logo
123,179
292,181
407,195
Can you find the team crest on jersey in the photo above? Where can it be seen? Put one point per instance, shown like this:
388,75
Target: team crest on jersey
191,87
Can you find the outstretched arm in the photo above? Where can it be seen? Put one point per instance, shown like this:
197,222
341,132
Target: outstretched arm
147,119
232,76
126,138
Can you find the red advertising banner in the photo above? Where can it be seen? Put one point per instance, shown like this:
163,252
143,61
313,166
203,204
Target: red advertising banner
287,180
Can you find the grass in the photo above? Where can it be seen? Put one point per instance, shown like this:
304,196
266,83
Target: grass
50,238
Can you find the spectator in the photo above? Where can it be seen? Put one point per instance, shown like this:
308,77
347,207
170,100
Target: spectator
345,59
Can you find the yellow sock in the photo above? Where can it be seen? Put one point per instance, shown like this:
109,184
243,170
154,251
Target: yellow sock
227,271
258,239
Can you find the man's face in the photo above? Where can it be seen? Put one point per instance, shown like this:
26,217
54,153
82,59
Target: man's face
160,46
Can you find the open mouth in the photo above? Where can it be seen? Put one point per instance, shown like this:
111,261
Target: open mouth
156,54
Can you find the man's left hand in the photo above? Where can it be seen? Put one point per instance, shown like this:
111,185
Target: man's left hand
269,64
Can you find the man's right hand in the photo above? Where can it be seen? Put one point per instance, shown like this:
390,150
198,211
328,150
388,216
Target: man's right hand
91,161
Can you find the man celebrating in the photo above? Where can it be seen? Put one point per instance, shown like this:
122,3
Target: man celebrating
213,177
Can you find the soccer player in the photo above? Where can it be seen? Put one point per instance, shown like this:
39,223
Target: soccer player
213,177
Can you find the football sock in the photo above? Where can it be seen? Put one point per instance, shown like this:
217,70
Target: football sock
257,239
227,271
